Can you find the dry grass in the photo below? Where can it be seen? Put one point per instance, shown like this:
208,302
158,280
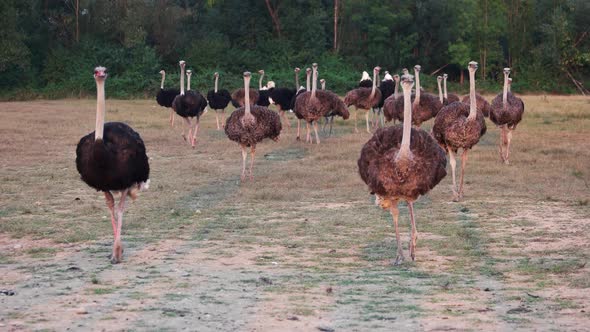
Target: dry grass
202,246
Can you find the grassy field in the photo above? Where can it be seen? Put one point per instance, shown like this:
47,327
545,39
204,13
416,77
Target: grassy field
303,247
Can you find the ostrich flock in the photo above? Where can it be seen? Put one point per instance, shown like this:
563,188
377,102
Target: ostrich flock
399,162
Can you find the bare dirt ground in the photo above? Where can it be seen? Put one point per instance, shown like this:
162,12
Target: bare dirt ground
302,248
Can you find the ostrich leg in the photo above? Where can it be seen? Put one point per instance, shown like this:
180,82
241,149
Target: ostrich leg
194,138
414,236
501,143
508,139
367,121
252,153
286,119
298,130
453,163
117,246
244,156
217,119
331,123
381,117
463,164
171,118
111,205
223,118
356,130
308,133
188,125
315,129
394,210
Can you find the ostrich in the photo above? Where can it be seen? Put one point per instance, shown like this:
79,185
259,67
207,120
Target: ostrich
482,104
506,112
314,104
301,90
329,117
249,125
263,92
425,106
402,163
389,103
387,88
165,97
282,98
448,97
364,99
112,159
218,101
189,105
459,125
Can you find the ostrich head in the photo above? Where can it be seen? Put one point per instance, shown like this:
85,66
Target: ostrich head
407,82
162,72
439,79
182,63
376,70
261,72
297,69
396,78
100,73
417,68
308,71
445,76
189,72
472,66
216,74
314,66
322,81
506,71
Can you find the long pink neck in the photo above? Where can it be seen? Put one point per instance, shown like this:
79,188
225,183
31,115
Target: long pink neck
417,99
247,95
182,80
314,82
396,91
296,80
472,100
445,88
440,94
374,87
216,80
308,85
404,150
163,78
100,110
505,92
260,81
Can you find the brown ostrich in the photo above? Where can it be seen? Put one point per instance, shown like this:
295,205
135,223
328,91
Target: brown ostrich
251,124
425,106
448,97
460,126
506,112
364,99
315,104
402,163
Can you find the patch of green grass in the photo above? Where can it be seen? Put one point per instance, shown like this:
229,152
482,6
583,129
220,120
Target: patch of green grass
41,252
175,296
102,291
548,265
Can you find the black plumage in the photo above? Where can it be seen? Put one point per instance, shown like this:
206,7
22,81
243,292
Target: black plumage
165,97
263,95
218,100
282,97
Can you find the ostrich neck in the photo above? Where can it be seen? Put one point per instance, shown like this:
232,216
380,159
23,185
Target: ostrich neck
308,85
296,80
100,110
324,86
404,150
396,90
440,94
260,82
374,87
247,95
445,88
472,100
417,99
181,81
162,84
505,93
314,83
216,79
188,83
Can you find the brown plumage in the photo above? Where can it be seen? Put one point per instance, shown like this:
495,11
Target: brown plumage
506,115
315,104
364,99
249,125
482,104
459,126
237,97
401,163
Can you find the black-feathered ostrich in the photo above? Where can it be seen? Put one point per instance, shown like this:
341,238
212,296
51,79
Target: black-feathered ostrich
249,125
448,98
364,99
218,100
263,91
460,126
165,97
190,104
387,88
282,98
506,112
365,81
112,159
425,106
402,163
313,105
389,103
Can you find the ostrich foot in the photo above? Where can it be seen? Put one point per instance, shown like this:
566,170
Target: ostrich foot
183,137
398,260
298,138
506,162
117,255
456,196
356,130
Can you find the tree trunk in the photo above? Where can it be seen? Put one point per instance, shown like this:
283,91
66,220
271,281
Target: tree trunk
77,21
274,15
336,3
462,79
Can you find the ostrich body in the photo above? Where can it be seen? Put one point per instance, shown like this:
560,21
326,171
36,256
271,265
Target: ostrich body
238,97
425,106
460,126
402,163
249,125
366,81
364,99
313,105
387,88
506,112
389,103
282,98
188,105
218,101
165,97
112,159
448,98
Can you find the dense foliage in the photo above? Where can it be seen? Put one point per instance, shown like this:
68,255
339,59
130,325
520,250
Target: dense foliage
49,47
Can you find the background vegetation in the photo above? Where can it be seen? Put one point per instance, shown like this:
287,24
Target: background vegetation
48,48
